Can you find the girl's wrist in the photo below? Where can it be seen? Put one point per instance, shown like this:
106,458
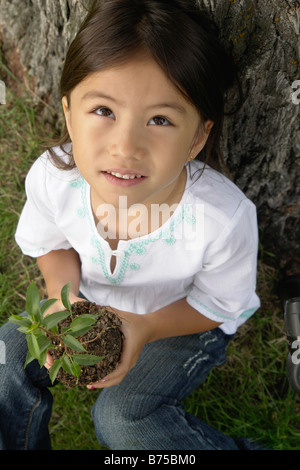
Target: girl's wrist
152,326
140,324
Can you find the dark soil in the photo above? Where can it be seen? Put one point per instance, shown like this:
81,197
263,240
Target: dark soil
103,339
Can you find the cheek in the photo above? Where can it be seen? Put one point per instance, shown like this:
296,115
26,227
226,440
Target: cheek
177,150
85,134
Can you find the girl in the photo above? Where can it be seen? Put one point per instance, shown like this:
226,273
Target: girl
133,209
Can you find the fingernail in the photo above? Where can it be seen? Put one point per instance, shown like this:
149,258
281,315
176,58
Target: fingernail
92,387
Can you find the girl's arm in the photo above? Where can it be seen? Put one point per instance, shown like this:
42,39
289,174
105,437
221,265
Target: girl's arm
58,268
176,319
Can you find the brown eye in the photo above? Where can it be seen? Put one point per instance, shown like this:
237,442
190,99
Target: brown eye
159,121
105,112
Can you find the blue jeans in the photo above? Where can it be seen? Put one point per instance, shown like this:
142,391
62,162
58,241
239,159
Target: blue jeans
144,411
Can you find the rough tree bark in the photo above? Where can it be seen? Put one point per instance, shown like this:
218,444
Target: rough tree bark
261,141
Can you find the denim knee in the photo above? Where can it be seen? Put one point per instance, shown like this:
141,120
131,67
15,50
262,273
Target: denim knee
25,406
145,410
166,427
111,420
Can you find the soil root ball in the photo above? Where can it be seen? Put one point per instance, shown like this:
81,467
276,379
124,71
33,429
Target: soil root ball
103,339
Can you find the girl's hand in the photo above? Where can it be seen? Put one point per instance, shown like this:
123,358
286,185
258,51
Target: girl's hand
57,307
136,333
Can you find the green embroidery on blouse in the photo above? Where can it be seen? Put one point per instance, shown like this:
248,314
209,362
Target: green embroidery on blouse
245,314
209,309
137,247
134,266
79,184
248,313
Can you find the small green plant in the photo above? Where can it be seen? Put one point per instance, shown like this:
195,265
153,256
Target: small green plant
43,333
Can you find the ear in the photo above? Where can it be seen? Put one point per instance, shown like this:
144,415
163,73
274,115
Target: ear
67,114
200,138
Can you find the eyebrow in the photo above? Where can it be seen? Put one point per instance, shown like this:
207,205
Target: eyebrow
174,106
95,94
92,94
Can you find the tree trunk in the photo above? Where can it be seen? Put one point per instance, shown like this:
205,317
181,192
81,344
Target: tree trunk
35,36
261,141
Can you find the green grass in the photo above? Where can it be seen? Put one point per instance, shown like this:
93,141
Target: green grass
18,149
248,396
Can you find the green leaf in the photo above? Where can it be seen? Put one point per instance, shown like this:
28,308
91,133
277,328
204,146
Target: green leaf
55,369
71,367
82,324
81,320
81,332
65,296
49,321
23,329
66,364
44,343
34,329
76,369
46,305
33,346
87,359
33,299
21,321
73,343
43,358
54,329
29,358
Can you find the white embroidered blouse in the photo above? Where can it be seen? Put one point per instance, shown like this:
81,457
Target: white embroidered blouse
205,252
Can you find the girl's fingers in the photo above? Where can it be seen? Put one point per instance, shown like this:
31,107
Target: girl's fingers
133,342
112,379
49,361
115,377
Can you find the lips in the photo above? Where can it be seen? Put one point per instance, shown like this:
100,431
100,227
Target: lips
123,177
124,173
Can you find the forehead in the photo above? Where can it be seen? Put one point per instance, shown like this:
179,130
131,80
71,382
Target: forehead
140,79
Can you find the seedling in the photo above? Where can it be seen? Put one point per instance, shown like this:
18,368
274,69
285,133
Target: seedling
43,333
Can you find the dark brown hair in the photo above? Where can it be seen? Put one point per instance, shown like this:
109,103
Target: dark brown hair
180,38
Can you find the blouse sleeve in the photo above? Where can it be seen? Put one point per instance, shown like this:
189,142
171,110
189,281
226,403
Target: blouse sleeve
223,289
37,232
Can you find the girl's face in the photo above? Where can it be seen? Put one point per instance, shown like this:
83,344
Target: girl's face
132,133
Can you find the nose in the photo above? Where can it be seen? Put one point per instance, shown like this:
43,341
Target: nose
126,141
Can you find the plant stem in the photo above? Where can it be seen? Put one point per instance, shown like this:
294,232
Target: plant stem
58,337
